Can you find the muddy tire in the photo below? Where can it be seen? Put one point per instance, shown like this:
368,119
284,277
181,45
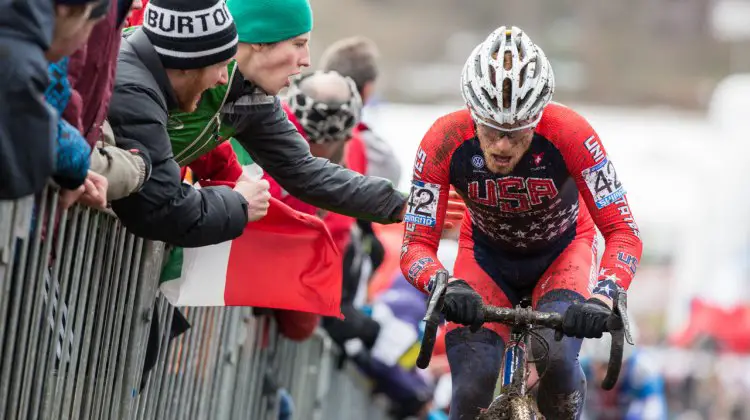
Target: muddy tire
522,409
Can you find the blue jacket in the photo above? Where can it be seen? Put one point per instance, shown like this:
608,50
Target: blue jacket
73,152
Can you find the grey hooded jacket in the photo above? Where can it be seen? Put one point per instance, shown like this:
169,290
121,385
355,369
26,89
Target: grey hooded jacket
28,125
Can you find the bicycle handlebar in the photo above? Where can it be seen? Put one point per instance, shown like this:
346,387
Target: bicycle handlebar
616,325
522,316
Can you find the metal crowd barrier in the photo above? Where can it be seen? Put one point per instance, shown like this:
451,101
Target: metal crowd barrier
81,316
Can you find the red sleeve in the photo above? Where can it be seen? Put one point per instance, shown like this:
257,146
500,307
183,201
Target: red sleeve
428,197
601,189
136,16
220,164
73,112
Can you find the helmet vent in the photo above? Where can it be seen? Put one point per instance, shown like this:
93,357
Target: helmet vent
507,94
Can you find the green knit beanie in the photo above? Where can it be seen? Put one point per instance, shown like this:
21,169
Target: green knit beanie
269,21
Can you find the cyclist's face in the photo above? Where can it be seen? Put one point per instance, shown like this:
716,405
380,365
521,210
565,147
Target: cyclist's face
503,149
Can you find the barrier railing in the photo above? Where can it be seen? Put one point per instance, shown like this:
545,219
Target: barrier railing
84,334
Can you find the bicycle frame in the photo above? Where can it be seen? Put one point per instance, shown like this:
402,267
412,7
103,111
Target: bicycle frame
514,369
512,402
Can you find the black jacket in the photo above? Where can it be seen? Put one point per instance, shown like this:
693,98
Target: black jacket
28,125
264,130
165,209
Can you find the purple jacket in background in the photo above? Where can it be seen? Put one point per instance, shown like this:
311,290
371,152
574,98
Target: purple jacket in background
406,302
91,72
407,388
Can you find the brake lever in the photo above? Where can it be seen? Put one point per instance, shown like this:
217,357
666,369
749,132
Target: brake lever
621,309
619,328
432,318
434,305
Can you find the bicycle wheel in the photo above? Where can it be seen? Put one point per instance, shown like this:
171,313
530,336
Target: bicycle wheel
521,408
498,410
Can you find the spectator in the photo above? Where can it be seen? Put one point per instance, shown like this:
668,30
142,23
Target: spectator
273,47
154,76
399,312
356,57
91,75
391,362
73,25
28,127
408,308
324,107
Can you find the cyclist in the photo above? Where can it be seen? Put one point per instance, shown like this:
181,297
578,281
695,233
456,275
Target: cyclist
537,182
639,392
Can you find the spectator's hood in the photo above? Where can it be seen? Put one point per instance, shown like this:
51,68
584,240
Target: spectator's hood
29,20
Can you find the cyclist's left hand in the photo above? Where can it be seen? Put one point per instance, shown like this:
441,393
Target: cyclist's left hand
587,319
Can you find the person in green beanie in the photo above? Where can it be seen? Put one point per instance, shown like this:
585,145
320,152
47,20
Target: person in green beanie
273,47
274,37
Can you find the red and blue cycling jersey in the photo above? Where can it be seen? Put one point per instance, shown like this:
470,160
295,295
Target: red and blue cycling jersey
563,186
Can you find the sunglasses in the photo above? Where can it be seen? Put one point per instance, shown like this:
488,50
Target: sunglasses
511,133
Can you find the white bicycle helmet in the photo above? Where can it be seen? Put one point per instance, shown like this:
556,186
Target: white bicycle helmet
528,79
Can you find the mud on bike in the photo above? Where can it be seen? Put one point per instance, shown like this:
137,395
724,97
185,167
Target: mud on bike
514,403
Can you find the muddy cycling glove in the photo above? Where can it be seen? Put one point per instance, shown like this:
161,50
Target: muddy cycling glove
463,305
587,319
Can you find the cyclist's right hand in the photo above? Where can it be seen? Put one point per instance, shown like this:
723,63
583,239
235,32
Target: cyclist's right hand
463,305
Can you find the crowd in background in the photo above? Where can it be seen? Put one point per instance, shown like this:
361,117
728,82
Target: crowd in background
125,105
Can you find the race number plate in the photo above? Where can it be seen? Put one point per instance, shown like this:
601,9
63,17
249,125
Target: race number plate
422,205
603,183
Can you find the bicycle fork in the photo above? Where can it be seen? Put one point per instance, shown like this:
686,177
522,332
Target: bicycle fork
513,372
511,404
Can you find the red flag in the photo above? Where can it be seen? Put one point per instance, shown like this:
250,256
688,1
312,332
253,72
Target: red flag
286,260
